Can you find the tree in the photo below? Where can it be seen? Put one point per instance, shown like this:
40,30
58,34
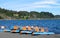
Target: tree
46,15
23,13
34,14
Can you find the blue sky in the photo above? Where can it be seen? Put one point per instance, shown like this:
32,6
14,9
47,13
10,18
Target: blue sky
52,6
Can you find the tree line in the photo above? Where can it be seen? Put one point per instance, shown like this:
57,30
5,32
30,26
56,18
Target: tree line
26,14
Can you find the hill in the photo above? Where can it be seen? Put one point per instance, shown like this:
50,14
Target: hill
10,14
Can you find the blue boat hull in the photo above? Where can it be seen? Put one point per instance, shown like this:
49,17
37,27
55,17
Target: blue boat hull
5,30
16,31
28,32
38,33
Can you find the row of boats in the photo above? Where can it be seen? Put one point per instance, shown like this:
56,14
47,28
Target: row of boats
34,30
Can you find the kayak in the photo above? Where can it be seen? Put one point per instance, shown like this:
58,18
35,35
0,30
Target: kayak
38,33
25,31
7,30
15,31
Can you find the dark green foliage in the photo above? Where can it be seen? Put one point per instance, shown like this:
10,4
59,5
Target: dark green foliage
23,13
26,14
46,15
34,14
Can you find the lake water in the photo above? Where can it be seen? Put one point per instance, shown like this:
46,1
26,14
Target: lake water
53,25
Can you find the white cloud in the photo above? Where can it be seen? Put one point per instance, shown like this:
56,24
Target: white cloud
36,5
33,5
47,2
44,4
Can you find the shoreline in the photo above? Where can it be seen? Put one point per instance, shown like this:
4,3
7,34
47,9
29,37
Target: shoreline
17,35
34,19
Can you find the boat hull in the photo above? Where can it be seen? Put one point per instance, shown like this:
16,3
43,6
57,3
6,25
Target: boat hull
7,30
15,31
27,32
38,33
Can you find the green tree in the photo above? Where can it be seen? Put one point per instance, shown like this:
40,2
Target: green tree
46,15
34,14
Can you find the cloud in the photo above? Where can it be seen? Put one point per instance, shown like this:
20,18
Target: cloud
32,5
45,4
42,4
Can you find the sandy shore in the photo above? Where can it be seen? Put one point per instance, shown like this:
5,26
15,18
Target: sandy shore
17,35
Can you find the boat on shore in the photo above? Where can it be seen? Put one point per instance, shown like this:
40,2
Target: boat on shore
15,29
34,30
26,30
40,33
41,30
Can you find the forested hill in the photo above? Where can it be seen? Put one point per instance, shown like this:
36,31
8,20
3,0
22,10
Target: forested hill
9,14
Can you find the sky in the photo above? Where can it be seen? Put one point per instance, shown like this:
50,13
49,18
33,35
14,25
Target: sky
52,6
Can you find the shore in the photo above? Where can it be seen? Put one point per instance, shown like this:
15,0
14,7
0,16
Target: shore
17,35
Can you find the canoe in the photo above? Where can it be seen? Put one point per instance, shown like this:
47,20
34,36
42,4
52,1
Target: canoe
38,33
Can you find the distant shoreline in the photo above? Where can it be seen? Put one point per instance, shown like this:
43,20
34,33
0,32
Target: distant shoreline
35,19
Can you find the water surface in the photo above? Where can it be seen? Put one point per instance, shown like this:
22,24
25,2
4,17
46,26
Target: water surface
53,25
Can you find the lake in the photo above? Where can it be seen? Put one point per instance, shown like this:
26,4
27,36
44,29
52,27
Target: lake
53,25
